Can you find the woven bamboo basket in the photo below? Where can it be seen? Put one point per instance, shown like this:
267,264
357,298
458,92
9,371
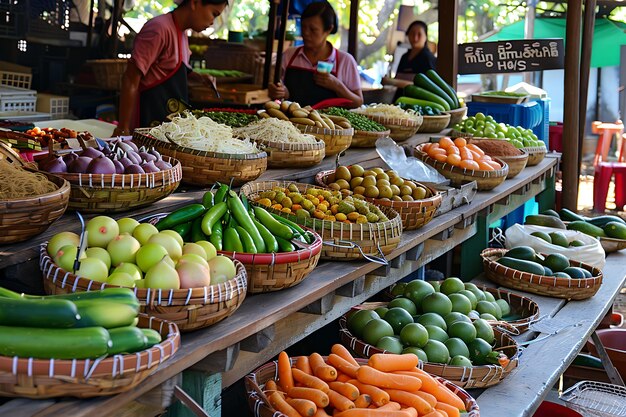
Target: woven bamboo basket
23,218
485,180
108,72
189,309
205,168
112,193
342,241
400,128
414,214
516,163
365,139
568,288
434,124
293,155
336,140
260,406
456,115
535,154
612,245
523,307
479,376
47,378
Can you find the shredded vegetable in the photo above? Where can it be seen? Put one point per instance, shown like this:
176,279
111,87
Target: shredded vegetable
273,130
388,110
202,134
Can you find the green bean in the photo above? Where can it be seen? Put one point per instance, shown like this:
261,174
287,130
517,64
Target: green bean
358,121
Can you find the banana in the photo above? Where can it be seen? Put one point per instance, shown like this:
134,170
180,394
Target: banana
272,105
329,122
345,125
278,114
264,114
302,121
300,113
284,105
293,107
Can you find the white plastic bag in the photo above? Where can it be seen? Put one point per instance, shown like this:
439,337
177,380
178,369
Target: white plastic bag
591,253
410,167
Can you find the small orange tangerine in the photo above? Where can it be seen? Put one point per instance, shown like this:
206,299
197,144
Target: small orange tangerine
485,158
453,159
476,149
475,155
453,150
484,166
466,154
494,164
445,142
426,146
460,142
469,164
441,157
437,151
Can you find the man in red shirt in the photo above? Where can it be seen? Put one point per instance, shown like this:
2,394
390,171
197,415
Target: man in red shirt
159,66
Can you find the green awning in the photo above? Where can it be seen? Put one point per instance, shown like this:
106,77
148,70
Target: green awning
608,36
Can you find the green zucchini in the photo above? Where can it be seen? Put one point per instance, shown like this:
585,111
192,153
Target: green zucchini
419,102
182,215
37,313
601,221
105,313
421,80
114,295
432,74
127,339
246,240
285,245
10,294
422,94
183,229
152,336
270,241
570,216
39,343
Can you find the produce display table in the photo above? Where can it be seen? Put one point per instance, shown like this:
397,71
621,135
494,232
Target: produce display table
268,323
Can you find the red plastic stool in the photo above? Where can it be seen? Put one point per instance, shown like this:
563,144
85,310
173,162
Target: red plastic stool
604,171
606,132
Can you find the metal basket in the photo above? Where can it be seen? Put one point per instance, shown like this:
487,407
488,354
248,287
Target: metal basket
592,398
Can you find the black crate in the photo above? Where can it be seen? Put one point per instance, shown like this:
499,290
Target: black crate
12,18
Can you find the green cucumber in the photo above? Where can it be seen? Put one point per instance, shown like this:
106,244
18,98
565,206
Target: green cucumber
117,295
544,220
183,229
294,227
246,240
232,241
182,215
105,313
216,236
11,294
432,74
40,343
196,231
522,265
37,313
616,230
586,228
152,336
213,216
570,216
239,212
601,221
127,339
423,94
421,80
285,245
419,102
207,199
277,228
271,245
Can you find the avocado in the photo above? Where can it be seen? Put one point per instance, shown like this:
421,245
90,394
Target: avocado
522,252
615,230
586,228
551,212
522,265
542,235
556,262
558,238
543,220
600,221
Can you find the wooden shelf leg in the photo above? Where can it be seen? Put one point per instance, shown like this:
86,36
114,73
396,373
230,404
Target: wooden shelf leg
612,373
471,249
204,389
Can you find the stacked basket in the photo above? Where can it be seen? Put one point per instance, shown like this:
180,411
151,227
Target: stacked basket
189,309
366,139
336,140
434,124
400,128
293,155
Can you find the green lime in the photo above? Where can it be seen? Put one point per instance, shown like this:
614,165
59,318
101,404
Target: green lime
504,307
556,262
476,291
375,330
460,303
437,303
456,347
486,307
498,310
452,285
543,236
488,316
435,285
414,334
460,360
577,243
390,344
381,311
479,349
473,315
417,352
456,316
432,319
484,330
463,330
357,321
404,303
398,318
559,238
436,333
489,296
436,352
416,290
470,295
398,289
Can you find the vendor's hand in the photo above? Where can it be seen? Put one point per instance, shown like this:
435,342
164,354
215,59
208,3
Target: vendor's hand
121,131
277,91
326,80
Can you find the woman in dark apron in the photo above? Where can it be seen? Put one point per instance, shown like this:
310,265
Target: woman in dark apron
153,75
305,81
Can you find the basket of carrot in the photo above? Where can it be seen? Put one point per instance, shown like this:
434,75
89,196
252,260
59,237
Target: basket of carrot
338,385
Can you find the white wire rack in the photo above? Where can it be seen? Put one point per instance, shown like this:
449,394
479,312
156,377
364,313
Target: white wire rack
596,399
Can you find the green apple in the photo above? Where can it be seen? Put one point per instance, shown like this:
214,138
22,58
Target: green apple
123,248
192,257
131,269
93,269
162,276
59,240
210,250
66,256
100,231
99,253
143,232
170,244
222,269
175,235
194,248
122,279
148,255
127,225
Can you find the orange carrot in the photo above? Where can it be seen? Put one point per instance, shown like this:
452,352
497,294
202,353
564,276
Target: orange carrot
309,380
302,363
440,391
306,408
319,398
388,362
321,413
379,396
270,387
342,365
340,350
369,375
347,390
279,403
341,377
285,376
450,410
391,405
442,412
429,398
363,401
411,410
339,401
433,413
321,369
410,399
374,412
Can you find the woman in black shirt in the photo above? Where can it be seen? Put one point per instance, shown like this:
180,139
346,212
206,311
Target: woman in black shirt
418,59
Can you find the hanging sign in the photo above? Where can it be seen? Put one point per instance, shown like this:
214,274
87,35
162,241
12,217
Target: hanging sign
511,56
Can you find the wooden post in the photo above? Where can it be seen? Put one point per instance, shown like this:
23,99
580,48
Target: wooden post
353,30
447,64
115,19
281,40
571,107
585,62
529,32
90,31
269,42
